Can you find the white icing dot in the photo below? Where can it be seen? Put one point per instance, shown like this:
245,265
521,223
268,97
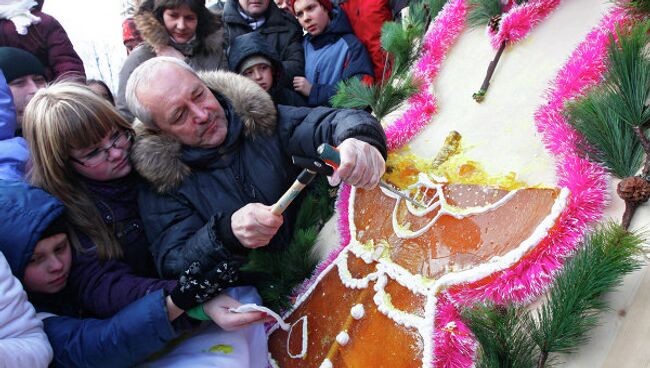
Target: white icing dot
342,338
357,311
326,364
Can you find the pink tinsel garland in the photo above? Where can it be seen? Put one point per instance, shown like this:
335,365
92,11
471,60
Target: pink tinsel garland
444,32
520,19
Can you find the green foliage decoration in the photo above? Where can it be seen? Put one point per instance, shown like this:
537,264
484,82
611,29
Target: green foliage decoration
512,335
277,273
608,140
483,11
402,42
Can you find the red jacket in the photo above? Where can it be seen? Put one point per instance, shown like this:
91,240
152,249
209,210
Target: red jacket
46,40
366,18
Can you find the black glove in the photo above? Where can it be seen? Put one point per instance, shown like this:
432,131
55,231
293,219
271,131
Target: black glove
197,285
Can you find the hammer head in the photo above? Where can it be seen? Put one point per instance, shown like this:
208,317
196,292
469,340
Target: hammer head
312,164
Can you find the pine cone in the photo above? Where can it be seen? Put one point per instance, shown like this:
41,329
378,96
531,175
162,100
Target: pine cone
494,23
634,189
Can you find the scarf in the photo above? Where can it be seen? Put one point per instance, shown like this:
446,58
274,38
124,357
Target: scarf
18,13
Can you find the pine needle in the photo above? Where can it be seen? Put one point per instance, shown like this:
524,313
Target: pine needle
610,141
628,75
575,301
503,339
401,42
635,6
280,272
482,11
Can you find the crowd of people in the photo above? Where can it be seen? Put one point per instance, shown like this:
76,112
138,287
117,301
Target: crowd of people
127,218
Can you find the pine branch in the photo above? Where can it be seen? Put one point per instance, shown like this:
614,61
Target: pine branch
628,75
611,141
277,273
401,43
480,95
483,11
575,301
635,6
503,338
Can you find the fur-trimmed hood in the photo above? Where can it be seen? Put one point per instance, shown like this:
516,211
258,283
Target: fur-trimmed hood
153,32
158,156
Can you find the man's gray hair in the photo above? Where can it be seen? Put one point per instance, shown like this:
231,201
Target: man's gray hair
141,79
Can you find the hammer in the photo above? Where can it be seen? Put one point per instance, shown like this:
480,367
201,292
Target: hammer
311,168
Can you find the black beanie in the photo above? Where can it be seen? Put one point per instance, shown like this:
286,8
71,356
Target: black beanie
57,226
16,63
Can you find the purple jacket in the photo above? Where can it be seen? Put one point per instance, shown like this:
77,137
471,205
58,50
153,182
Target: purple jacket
104,288
48,41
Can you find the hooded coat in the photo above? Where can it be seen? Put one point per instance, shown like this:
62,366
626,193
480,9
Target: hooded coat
208,53
14,154
333,56
123,340
254,44
193,192
281,32
48,41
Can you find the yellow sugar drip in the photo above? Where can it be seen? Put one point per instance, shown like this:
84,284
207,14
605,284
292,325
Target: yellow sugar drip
404,167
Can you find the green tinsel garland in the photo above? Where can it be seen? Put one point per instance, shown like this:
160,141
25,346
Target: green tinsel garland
279,272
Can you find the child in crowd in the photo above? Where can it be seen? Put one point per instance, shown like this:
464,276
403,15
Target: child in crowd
25,75
332,51
23,25
101,89
34,239
251,56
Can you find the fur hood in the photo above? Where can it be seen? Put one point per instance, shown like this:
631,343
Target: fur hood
153,32
157,156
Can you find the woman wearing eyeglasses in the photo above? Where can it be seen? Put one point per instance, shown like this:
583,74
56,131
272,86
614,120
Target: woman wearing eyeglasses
80,151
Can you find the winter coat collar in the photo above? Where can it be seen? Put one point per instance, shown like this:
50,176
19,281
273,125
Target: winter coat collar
163,161
155,34
274,16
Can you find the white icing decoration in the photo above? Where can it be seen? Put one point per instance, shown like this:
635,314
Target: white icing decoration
437,201
303,351
343,338
357,312
326,364
272,362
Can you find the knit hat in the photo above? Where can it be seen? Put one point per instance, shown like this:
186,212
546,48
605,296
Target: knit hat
327,4
130,31
56,227
253,60
16,63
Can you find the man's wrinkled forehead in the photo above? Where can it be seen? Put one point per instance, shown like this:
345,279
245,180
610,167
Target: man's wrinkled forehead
170,85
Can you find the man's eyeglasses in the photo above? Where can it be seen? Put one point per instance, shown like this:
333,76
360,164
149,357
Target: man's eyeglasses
119,140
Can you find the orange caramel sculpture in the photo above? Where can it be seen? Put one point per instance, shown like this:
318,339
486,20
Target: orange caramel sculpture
374,306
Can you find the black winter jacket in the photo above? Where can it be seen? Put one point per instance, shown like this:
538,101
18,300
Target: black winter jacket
194,192
281,31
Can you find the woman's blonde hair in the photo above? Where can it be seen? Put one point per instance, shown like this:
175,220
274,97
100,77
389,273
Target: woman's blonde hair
59,118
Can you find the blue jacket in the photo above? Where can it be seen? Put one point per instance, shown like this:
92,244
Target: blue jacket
14,153
124,340
333,56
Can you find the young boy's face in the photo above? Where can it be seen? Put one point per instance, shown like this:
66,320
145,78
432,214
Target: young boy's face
48,269
312,16
262,74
